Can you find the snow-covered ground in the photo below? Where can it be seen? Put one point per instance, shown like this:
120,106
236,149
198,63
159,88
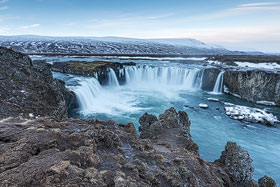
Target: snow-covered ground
249,114
109,45
258,65
163,58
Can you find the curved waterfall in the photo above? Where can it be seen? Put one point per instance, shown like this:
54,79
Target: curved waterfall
175,77
89,88
167,81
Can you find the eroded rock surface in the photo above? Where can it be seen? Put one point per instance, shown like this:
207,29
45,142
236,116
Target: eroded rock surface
254,85
209,78
99,69
29,88
74,152
237,163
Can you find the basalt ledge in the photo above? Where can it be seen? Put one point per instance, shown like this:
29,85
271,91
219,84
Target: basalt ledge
75,152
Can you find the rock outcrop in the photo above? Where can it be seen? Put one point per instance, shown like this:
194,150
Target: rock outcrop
266,182
75,152
209,78
28,88
254,85
99,69
237,163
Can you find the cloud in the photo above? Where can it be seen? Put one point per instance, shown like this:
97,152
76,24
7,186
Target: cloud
160,16
3,8
70,24
236,11
30,26
3,1
259,4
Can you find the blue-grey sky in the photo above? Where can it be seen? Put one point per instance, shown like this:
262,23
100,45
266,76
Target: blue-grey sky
240,24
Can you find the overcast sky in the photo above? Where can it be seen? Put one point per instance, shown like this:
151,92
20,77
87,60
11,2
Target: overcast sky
240,24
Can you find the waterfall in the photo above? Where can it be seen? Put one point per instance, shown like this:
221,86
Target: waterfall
218,88
88,89
111,99
164,77
112,78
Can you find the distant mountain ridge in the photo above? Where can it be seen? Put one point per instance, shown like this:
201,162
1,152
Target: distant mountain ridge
110,45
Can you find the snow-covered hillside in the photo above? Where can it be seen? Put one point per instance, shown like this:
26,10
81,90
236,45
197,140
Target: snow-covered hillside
109,45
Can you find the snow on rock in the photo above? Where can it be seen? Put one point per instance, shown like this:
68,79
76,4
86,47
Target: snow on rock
204,106
189,42
258,65
214,62
110,45
213,99
197,58
31,115
268,103
249,114
163,58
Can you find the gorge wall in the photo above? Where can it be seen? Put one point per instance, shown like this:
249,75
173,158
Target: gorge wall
254,85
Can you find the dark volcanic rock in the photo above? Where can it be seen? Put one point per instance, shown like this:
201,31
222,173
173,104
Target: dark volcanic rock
45,152
237,163
27,88
99,68
209,78
254,85
266,182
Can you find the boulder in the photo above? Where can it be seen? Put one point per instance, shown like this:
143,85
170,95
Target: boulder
237,163
204,106
266,182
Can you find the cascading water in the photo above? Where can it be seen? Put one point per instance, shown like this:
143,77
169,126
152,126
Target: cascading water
129,101
88,89
113,98
218,88
112,78
163,77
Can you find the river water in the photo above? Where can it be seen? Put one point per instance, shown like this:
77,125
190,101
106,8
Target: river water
154,85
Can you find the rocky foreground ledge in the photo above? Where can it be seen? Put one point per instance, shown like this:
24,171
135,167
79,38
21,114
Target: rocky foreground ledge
45,152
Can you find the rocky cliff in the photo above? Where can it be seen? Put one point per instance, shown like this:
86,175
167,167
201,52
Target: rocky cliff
209,78
28,89
98,69
45,152
254,85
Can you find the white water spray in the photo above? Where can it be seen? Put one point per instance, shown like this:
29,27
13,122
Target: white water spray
115,99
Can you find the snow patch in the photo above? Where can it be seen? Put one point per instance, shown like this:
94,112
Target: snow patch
204,106
249,114
259,65
214,62
268,103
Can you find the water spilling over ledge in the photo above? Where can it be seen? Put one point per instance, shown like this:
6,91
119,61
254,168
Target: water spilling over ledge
146,88
93,98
